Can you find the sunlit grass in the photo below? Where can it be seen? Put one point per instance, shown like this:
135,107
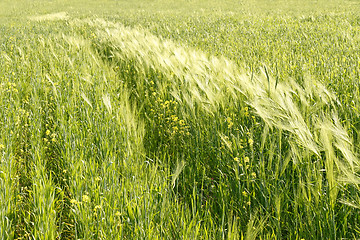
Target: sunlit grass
214,123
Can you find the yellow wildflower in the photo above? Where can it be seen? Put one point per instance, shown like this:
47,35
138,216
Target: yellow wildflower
86,198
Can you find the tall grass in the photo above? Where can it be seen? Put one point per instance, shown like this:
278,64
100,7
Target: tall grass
212,83
209,85
111,132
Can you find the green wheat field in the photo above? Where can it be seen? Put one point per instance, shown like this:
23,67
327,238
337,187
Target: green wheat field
187,119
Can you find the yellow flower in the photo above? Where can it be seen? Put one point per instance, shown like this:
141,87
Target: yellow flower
246,159
86,198
2,146
47,132
236,159
244,193
251,142
118,214
253,175
73,201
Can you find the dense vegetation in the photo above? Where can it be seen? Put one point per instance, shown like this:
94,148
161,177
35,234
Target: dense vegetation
179,120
